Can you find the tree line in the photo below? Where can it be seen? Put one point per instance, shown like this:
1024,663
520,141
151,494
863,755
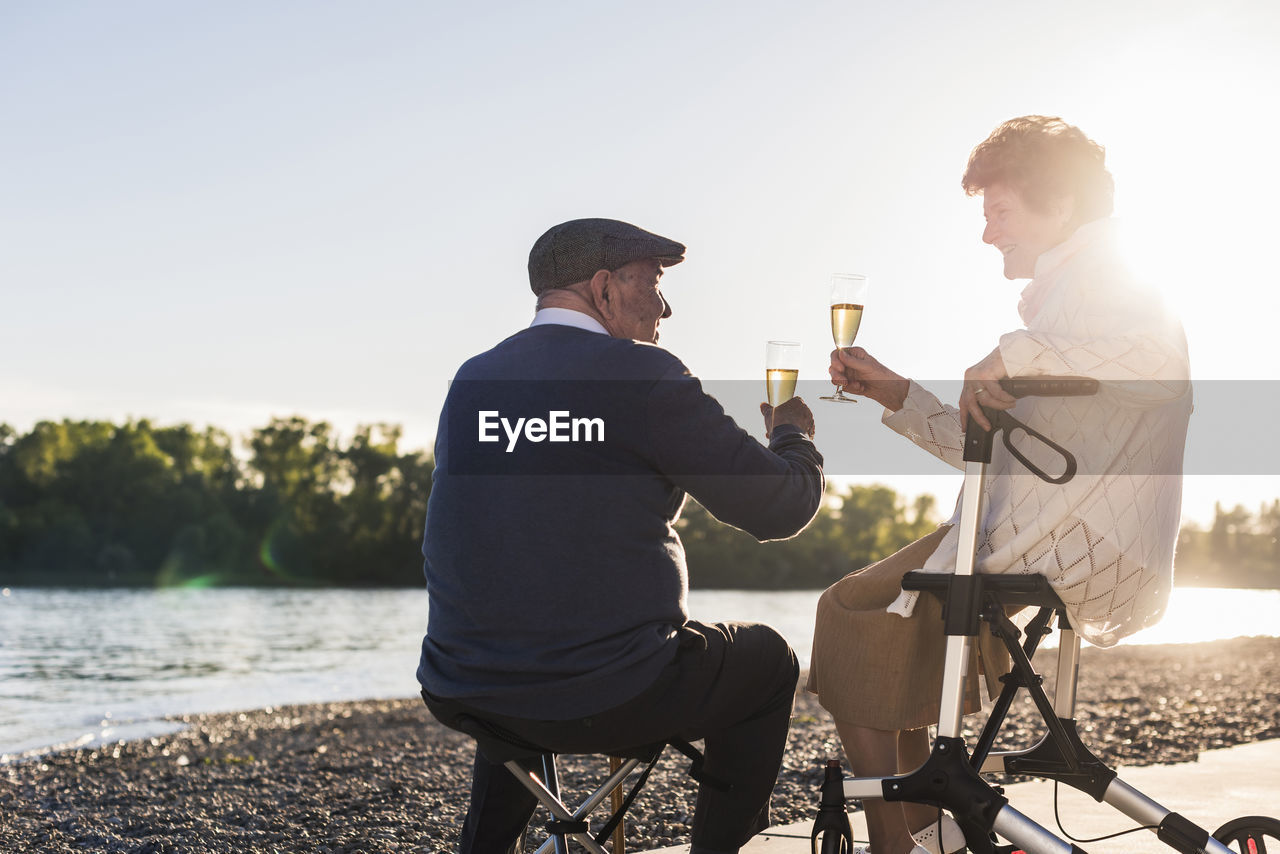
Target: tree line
95,503
1239,549
291,503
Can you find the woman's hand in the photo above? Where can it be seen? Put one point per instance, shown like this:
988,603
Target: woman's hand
982,388
857,372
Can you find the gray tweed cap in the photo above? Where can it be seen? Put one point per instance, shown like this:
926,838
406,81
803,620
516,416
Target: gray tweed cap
573,251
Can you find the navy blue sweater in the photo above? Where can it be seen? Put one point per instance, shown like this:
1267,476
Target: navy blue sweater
555,577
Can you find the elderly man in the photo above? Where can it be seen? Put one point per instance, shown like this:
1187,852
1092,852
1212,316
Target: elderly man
557,581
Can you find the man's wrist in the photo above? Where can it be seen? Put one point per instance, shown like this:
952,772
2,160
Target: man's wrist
780,430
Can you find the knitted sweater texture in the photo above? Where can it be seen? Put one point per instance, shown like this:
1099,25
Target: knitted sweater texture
1105,539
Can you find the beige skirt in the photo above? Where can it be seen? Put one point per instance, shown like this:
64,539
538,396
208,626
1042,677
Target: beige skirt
875,669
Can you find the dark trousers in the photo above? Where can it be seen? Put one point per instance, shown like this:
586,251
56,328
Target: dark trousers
730,684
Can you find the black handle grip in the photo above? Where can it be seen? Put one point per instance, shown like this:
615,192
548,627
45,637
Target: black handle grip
978,442
1049,386
1009,423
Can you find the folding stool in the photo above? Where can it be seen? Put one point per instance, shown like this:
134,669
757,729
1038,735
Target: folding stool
534,767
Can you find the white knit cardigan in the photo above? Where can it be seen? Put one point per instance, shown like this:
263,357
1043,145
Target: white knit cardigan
1106,539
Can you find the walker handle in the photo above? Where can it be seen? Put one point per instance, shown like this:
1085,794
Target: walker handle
978,442
1049,386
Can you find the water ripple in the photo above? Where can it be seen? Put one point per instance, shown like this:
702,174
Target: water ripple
91,666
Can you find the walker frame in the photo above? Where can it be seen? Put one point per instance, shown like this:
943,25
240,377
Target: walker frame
952,777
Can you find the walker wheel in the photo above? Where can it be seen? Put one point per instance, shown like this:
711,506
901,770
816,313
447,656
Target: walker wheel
1249,834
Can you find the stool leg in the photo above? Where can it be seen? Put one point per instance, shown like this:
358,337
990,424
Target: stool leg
551,780
619,832
546,790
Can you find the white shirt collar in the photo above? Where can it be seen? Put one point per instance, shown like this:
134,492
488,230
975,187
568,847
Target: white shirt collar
568,317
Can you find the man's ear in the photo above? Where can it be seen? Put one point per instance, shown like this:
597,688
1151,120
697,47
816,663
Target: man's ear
602,291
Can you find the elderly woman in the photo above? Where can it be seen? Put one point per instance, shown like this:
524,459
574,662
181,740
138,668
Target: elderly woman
1105,540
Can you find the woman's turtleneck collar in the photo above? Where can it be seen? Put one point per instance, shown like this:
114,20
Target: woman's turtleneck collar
1052,260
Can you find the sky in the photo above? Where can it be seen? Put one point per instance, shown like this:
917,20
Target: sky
221,213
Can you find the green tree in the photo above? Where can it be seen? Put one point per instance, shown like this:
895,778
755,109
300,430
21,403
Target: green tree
384,510
1269,528
298,472
1228,525
91,502
208,544
327,514
9,523
852,529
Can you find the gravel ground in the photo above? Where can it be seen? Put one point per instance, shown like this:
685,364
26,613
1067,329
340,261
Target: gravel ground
382,776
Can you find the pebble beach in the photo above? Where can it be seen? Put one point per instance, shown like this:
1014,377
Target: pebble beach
382,776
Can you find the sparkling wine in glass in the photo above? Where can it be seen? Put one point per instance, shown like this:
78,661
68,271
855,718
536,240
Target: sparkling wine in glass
848,297
781,370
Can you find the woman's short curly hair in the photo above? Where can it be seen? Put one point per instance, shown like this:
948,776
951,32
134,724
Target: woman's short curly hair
1043,158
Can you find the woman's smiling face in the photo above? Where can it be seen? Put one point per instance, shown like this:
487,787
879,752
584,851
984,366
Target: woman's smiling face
1020,233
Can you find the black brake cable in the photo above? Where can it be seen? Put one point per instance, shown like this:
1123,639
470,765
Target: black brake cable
1058,819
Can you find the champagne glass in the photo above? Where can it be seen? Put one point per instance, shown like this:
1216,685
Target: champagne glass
781,370
848,296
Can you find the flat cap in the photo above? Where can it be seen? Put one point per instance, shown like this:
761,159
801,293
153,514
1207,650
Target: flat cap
573,251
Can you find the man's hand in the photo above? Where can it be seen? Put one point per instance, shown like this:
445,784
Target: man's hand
858,372
794,411
982,388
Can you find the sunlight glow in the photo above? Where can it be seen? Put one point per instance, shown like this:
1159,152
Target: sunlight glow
1196,188
1199,614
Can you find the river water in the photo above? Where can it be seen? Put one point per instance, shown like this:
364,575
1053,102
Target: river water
81,667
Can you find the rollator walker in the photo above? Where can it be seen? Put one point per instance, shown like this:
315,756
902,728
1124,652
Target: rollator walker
952,778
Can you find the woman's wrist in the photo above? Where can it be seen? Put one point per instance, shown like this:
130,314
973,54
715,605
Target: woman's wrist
895,394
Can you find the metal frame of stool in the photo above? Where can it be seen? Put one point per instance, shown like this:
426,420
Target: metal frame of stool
565,824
